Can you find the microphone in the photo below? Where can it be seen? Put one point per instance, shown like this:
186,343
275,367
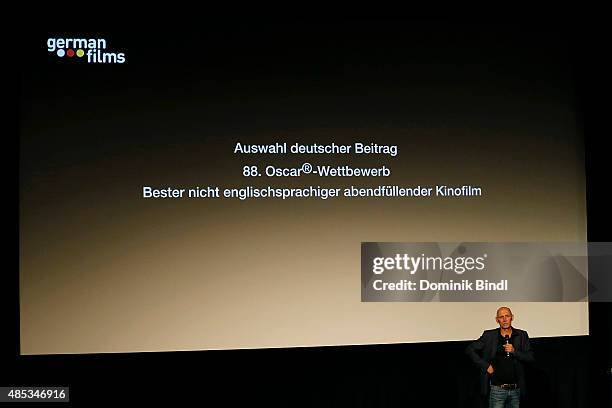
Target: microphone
507,342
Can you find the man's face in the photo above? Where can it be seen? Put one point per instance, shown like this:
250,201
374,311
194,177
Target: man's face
504,318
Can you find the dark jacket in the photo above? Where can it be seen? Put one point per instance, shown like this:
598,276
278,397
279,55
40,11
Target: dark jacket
482,352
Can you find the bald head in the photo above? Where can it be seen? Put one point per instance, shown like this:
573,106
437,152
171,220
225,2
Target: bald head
504,317
503,308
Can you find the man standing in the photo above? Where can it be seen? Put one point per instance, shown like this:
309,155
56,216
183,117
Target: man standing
500,354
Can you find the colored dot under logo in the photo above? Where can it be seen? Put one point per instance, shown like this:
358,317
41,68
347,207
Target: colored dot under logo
80,53
70,53
61,53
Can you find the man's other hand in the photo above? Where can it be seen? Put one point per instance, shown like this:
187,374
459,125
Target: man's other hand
490,369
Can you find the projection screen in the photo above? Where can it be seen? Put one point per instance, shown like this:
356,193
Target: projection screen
212,188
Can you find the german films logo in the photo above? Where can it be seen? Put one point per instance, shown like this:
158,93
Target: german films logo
92,50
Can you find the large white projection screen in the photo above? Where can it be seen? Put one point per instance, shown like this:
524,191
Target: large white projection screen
103,269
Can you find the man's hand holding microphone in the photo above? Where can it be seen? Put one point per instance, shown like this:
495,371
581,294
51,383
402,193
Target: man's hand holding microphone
508,348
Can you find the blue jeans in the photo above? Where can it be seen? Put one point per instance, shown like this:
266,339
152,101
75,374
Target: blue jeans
500,398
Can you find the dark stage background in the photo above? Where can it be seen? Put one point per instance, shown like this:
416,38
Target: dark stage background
570,372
